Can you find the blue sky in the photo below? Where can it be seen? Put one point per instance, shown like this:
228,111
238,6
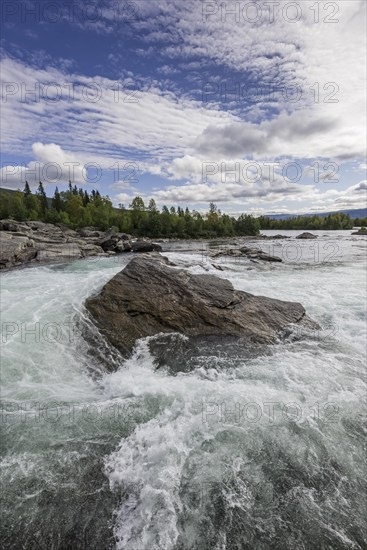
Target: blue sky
259,106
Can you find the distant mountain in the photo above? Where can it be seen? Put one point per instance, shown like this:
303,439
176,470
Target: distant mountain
356,213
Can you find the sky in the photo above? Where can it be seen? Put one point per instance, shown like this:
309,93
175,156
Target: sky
258,106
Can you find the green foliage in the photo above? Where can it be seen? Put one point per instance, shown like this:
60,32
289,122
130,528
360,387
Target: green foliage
152,206
360,222
76,208
247,225
138,204
17,207
332,221
57,201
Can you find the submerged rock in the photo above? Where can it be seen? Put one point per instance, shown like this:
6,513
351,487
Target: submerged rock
148,297
258,254
247,252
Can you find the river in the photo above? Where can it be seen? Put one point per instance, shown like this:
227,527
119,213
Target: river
260,452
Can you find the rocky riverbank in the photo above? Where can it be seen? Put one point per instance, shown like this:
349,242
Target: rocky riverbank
28,243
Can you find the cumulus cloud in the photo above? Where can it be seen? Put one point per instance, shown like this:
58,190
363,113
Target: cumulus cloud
51,165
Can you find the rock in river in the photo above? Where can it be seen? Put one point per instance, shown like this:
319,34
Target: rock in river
306,235
148,297
247,252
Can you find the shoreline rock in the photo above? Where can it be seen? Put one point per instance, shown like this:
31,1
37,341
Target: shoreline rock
149,297
33,242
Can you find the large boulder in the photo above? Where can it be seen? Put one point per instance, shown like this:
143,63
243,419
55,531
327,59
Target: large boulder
306,235
361,231
148,297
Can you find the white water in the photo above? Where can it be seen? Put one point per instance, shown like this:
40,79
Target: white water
265,452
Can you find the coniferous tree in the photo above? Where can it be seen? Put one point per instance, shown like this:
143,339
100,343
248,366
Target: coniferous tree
56,201
27,190
42,198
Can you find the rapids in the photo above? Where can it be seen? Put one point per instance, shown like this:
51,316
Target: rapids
264,452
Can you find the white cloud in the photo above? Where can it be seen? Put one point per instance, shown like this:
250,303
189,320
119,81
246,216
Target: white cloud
171,136
51,165
94,116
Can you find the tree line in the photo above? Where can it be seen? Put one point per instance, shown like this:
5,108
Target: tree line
77,208
338,220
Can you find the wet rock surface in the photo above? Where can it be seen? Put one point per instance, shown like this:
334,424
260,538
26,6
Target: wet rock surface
246,252
149,297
